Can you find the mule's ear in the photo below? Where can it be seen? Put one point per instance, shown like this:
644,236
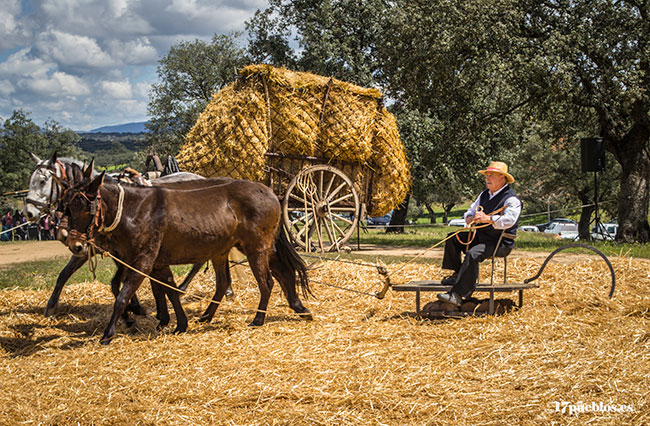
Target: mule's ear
96,183
88,171
52,159
36,159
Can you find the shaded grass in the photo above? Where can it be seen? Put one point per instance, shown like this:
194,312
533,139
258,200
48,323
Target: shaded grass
43,273
426,236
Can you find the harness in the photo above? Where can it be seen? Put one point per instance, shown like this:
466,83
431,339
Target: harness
45,207
97,211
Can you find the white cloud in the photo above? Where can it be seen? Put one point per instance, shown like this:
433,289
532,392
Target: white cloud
73,50
6,88
117,89
89,63
13,30
59,84
133,52
21,65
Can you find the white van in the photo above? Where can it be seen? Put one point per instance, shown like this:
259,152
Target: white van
606,231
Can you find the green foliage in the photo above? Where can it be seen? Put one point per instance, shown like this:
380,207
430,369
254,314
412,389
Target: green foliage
189,75
590,59
19,137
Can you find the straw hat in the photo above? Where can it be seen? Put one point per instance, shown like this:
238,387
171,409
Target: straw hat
499,167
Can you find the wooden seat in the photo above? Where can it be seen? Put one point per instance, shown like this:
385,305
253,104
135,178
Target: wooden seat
435,286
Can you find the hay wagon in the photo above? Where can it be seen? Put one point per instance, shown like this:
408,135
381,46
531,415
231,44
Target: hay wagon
329,150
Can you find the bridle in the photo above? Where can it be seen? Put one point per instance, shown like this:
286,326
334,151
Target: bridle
46,207
96,209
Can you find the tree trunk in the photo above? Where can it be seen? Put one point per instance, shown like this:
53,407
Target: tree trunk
399,217
432,214
634,198
585,219
447,209
633,201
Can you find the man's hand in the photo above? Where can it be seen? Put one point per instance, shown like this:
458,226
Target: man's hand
481,217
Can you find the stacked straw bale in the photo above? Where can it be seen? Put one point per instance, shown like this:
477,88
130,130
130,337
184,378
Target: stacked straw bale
294,113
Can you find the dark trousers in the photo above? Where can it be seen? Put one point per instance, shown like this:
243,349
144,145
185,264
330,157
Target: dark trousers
467,268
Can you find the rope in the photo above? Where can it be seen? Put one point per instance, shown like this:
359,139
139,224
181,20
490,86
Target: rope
118,215
107,253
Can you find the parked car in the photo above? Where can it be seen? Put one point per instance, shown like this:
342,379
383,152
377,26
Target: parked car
528,228
606,231
379,221
543,226
456,222
567,231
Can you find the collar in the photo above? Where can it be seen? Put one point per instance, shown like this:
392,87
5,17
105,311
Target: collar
495,193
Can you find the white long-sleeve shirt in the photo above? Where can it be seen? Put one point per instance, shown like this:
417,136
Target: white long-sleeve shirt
507,218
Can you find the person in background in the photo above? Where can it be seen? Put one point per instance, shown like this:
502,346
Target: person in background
499,208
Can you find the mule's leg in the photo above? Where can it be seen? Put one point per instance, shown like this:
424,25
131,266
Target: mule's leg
223,281
134,304
116,281
166,276
195,269
73,264
162,313
287,279
132,281
259,263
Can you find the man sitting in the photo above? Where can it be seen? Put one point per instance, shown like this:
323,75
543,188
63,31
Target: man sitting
497,206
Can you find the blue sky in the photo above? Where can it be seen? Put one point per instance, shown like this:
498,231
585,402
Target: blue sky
89,63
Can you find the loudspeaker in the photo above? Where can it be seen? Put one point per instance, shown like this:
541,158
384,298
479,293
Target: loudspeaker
592,154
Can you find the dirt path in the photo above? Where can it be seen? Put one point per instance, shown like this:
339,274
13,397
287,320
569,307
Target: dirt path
25,251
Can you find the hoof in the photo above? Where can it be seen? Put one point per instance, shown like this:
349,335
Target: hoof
49,312
180,330
255,324
105,340
138,310
205,319
306,316
130,322
160,326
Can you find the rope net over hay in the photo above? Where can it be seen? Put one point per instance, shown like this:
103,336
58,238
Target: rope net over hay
271,109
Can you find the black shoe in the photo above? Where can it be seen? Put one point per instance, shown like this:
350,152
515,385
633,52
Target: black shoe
450,280
450,297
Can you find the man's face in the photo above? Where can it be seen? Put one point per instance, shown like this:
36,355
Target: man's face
494,181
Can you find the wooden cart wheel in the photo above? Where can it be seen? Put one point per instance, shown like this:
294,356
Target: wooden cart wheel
320,208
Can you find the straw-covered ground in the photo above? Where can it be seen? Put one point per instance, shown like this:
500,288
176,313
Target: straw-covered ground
567,356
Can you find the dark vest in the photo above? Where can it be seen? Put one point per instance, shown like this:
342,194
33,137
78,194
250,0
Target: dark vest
489,233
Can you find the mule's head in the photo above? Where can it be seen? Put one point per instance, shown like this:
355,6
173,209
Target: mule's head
81,204
43,191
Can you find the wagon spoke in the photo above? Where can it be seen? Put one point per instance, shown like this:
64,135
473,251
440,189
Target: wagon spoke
329,186
301,200
337,227
343,209
343,198
320,185
341,218
307,225
332,237
336,191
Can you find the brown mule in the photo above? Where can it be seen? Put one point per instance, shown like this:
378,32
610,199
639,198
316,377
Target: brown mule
159,227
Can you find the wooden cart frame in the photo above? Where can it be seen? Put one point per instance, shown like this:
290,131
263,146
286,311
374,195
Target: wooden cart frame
323,200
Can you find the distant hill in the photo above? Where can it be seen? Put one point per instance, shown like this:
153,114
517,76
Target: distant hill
94,142
122,128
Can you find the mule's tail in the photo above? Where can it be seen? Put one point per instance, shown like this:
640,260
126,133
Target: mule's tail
290,258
